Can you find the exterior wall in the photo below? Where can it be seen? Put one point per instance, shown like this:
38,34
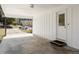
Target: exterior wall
44,24
17,20
75,27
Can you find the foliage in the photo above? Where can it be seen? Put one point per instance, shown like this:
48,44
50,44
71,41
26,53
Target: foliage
28,31
8,20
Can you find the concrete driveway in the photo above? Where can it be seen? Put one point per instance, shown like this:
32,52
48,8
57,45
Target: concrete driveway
16,33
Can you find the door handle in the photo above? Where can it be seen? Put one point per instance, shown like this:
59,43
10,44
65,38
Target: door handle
68,24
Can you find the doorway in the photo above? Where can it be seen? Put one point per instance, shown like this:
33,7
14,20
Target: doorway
61,29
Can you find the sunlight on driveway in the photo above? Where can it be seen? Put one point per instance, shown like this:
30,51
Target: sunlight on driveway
16,33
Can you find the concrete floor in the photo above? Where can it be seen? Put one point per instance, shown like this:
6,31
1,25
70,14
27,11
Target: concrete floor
18,42
31,45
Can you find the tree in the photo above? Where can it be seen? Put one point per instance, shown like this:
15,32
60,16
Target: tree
8,20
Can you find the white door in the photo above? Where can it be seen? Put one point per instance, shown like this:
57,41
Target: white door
61,25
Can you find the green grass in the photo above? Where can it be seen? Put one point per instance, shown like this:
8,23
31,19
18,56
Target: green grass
2,32
27,31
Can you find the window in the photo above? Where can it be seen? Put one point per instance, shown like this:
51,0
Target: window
61,19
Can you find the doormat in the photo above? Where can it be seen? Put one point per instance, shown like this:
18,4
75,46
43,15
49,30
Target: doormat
58,43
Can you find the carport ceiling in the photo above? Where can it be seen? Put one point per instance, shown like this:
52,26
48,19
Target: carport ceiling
23,10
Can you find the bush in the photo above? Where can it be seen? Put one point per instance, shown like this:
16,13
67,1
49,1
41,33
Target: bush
28,31
14,23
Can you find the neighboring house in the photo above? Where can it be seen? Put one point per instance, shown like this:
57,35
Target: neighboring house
26,22
17,21
23,22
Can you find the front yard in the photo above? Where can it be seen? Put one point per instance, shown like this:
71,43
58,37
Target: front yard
27,29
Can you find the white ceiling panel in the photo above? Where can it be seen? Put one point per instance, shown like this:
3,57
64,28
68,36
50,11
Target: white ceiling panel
23,10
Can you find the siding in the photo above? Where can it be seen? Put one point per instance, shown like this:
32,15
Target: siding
44,26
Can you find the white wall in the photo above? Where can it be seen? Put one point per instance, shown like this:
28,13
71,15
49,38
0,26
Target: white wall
44,24
75,27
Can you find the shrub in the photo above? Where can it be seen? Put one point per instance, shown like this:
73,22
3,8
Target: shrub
28,31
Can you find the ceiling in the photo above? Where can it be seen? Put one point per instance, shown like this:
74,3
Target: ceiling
23,10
